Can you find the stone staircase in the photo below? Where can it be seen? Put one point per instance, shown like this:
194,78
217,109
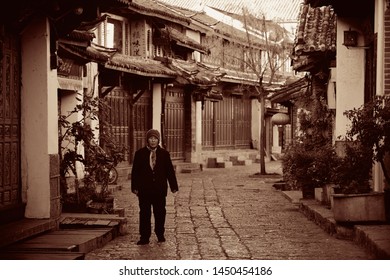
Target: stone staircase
78,234
233,160
240,160
69,237
186,167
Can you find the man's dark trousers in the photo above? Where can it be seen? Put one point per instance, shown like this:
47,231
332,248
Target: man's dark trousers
146,203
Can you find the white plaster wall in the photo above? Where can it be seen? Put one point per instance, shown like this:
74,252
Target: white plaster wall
198,131
380,8
195,35
350,76
255,129
39,118
68,103
275,138
91,87
157,107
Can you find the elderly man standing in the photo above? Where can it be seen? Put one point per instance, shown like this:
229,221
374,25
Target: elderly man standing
151,172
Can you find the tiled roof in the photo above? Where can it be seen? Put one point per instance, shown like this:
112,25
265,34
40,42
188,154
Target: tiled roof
157,9
195,73
80,35
185,72
139,66
233,76
86,54
316,30
316,34
221,28
290,91
285,10
182,39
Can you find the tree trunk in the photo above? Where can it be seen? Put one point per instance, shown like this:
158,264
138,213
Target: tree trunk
262,135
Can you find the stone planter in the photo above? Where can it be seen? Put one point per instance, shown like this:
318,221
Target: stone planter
359,208
307,191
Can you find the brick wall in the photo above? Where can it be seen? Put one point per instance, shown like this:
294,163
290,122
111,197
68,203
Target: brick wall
387,52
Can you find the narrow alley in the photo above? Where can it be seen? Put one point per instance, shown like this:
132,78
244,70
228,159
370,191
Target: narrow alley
225,214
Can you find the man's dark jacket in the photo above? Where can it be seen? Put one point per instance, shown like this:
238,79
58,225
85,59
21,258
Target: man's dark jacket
153,182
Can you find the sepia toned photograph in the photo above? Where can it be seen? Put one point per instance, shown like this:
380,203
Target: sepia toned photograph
204,130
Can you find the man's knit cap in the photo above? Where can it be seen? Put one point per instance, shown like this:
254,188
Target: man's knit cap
153,132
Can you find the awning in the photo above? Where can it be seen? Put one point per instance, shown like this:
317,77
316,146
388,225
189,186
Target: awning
139,66
290,91
195,73
171,34
93,53
203,93
69,83
233,76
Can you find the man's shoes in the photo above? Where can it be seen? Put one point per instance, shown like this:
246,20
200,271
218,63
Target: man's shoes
143,242
161,239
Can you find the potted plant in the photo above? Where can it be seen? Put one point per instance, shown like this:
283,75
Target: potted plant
309,160
367,141
352,172
81,154
308,169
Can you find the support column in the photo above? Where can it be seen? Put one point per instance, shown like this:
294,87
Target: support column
157,117
39,115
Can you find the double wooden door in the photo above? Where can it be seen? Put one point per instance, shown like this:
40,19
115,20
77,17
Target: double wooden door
226,124
129,123
10,187
174,123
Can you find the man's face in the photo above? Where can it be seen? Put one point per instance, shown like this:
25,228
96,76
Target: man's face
153,142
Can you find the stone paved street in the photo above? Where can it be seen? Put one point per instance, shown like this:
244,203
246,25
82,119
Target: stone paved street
228,214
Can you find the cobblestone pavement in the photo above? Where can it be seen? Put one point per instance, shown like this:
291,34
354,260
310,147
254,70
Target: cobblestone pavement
228,214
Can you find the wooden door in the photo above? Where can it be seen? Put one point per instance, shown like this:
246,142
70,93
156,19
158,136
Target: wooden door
174,130
118,100
10,187
224,123
122,120
208,126
242,122
227,124
142,120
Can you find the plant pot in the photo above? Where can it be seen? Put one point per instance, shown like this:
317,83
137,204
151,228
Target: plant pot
101,206
359,208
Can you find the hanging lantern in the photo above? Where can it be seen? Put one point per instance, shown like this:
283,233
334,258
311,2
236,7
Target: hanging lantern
280,119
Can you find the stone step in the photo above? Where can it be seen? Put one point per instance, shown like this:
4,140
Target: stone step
41,255
59,244
86,220
218,162
22,229
245,162
186,167
224,164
